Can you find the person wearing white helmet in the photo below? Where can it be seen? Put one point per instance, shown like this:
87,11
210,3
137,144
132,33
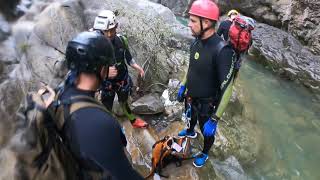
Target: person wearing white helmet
121,84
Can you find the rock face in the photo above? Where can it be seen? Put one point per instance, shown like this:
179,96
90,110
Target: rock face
177,6
287,56
303,23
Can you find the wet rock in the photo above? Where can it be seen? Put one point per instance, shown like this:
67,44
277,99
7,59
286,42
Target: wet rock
229,169
148,104
287,56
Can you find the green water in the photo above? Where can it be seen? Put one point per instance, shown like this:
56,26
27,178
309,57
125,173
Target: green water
289,117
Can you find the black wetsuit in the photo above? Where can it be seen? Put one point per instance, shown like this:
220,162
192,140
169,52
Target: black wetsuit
224,29
94,134
209,81
122,83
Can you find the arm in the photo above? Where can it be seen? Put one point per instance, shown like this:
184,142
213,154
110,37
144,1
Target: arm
225,68
129,58
138,68
220,29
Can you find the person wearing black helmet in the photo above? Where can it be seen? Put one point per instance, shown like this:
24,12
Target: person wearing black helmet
92,133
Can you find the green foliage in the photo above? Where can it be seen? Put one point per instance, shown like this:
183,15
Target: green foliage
24,47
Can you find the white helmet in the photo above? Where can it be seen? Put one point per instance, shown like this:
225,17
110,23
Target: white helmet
105,20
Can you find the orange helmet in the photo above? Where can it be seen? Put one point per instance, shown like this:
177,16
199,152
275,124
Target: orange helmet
205,8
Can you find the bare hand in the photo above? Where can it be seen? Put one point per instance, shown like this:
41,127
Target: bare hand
113,72
141,73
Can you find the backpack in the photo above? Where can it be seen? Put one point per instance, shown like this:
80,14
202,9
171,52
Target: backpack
240,33
167,150
46,154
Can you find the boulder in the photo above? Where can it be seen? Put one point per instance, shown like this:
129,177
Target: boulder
148,104
288,56
59,23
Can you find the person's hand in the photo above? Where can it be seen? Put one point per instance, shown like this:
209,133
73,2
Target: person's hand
180,95
141,73
113,72
210,127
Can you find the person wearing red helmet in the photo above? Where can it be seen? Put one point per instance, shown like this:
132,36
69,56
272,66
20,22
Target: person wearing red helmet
207,86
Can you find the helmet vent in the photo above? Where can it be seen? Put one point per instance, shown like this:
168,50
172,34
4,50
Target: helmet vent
81,51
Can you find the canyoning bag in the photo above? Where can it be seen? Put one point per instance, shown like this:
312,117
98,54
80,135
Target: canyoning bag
240,35
44,152
168,150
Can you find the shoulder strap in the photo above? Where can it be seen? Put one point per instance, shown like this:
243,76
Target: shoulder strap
124,41
79,102
68,106
220,46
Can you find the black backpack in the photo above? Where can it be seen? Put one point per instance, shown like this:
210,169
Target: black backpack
46,154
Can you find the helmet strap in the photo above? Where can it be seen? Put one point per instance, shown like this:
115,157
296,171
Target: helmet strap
202,31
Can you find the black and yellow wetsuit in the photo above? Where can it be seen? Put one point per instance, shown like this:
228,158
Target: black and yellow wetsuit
209,81
122,83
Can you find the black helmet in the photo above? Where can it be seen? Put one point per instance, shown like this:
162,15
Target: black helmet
89,52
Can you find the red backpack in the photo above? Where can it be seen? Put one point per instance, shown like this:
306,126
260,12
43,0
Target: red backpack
240,33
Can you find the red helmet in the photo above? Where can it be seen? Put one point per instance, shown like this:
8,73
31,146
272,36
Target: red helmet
205,8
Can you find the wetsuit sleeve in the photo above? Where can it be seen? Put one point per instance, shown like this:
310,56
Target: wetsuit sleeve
220,29
225,69
184,80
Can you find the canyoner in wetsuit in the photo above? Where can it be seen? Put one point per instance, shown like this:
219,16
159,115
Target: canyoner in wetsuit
121,84
93,134
209,80
236,30
225,25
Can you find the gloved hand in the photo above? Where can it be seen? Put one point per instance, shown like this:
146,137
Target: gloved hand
181,92
210,127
